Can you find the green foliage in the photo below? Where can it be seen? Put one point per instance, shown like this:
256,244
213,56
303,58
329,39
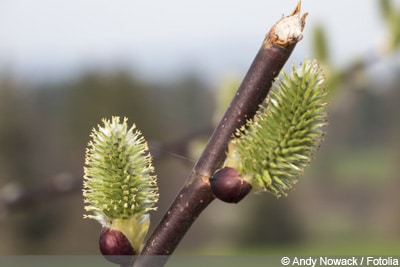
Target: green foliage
272,152
320,45
391,16
118,181
385,7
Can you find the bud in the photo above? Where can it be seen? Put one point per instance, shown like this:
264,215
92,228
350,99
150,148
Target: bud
228,186
115,246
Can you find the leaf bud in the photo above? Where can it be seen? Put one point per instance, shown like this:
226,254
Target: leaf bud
115,246
228,186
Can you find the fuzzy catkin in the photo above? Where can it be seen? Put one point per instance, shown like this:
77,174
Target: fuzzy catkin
118,180
274,148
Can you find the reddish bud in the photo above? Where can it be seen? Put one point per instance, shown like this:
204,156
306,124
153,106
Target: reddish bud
115,247
228,186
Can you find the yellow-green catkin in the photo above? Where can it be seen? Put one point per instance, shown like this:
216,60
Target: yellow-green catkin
274,148
119,187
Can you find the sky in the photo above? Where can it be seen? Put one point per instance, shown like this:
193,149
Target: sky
48,39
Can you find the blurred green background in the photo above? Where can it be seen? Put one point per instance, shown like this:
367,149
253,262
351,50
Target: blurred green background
346,203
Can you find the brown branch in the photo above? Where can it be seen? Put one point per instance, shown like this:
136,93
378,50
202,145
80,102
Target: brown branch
14,198
196,193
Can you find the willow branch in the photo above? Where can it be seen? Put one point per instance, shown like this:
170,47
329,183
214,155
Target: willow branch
196,193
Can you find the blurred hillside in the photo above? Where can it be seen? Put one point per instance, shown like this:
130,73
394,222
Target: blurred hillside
349,194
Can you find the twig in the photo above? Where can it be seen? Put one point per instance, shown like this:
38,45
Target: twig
196,193
13,198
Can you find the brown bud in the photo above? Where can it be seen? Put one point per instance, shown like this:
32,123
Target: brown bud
228,186
115,247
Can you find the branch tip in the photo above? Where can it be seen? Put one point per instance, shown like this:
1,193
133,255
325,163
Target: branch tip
288,30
